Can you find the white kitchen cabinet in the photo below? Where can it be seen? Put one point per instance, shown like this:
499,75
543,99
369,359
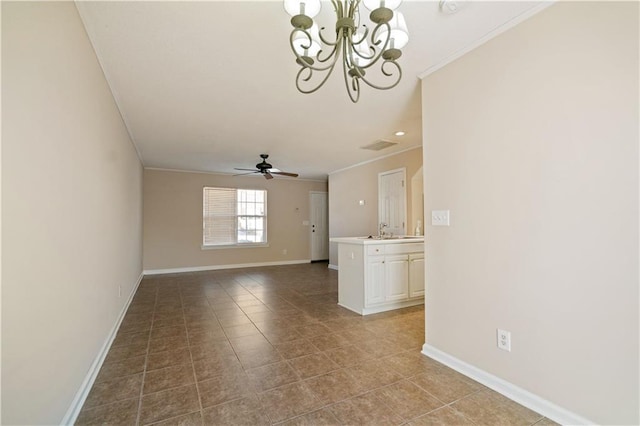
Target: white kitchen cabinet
396,277
381,275
416,274
376,279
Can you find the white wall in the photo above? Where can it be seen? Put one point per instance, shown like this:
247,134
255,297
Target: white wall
72,210
531,141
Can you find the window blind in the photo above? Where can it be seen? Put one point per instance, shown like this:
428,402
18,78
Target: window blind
233,216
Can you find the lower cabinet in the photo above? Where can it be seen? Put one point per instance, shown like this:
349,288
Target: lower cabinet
375,291
380,277
396,277
416,274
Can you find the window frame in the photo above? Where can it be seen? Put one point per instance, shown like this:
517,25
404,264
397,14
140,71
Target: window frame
237,216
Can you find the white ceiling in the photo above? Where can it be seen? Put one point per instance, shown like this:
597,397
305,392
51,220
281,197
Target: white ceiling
208,86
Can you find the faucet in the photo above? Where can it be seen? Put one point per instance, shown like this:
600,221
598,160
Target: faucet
381,233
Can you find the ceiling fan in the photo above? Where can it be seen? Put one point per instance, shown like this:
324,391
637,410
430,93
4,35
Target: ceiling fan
266,169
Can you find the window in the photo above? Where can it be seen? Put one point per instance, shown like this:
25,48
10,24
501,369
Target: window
234,216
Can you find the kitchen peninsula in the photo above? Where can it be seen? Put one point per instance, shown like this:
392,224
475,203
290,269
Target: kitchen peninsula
380,274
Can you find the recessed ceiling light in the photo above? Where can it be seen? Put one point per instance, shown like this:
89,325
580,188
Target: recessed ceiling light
400,133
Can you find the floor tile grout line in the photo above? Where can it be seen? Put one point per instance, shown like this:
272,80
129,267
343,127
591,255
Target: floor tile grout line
170,418
193,367
144,371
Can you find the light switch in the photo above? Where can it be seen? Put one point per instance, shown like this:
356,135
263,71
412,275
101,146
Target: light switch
440,217
361,202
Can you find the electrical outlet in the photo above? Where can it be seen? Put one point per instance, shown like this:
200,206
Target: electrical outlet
504,340
284,251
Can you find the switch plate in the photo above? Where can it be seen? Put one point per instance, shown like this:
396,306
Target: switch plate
305,223
504,340
440,217
361,202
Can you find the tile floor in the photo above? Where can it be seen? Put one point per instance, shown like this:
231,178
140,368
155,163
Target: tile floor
270,345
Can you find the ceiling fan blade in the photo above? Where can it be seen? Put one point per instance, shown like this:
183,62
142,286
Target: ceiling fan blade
285,174
250,173
267,175
248,170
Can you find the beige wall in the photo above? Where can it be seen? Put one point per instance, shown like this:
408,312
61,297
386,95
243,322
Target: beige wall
532,142
173,220
349,219
72,210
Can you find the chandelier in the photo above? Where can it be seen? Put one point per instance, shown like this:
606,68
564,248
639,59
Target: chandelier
359,47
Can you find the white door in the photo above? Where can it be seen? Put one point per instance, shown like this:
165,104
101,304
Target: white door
319,226
392,201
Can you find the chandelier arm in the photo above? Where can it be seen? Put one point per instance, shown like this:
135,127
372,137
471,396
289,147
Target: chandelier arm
377,53
354,90
353,7
301,59
364,36
311,69
337,7
325,41
306,33
388,74
373,58
329,56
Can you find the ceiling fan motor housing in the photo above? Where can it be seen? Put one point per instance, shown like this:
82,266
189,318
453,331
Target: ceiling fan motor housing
264,166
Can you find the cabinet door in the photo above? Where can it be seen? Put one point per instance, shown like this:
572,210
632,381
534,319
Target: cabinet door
416,275
374,282
396,285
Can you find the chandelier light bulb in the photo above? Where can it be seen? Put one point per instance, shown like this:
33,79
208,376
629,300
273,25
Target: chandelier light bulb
309,8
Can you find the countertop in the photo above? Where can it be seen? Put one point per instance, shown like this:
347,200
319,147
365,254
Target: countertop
367,241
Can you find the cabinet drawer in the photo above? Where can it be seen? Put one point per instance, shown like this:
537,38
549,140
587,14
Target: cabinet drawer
404,248
376,249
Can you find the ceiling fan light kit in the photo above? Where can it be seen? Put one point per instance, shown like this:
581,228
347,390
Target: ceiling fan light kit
358,47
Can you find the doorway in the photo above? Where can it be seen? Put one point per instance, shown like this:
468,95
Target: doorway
392,201
319,221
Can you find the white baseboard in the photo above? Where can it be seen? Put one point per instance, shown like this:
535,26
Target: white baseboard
78,401
511,391
334,267
217,267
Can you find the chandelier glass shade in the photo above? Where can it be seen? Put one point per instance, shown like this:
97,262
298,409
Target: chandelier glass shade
357,46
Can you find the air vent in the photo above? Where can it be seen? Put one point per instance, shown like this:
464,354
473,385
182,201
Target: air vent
379,145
